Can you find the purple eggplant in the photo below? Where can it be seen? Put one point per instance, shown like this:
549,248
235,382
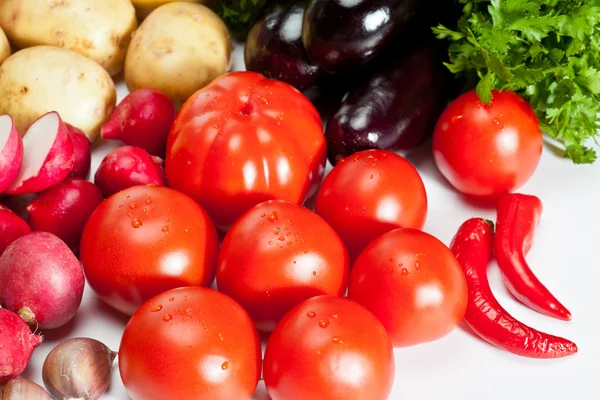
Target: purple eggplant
274,47
395,109
344,35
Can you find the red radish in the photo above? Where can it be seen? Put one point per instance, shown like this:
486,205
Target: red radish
82,152
16,345
142,119
11,152
12,227
64,209
128,166
47,156
41,280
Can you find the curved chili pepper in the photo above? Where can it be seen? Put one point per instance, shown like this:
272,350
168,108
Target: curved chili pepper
472,247
518,215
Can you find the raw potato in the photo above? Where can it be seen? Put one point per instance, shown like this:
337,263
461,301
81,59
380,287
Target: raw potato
98,29
4,46
178,49
145,7
41,79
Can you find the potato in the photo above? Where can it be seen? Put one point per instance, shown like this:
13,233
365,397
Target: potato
178,49
145,7
40,79
98,29
4,47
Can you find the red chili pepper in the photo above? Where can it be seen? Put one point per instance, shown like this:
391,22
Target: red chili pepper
472,247
518,215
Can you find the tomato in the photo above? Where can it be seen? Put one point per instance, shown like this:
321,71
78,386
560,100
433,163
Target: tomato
278,254
412,282
487,150
369,193
243,140
190,343
12,227
145,240
329,348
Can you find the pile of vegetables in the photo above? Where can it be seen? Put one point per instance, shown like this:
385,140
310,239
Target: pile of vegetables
213,226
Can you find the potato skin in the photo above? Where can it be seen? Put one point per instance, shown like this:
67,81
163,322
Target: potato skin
100,30
4,47
40,79
144,7
178,49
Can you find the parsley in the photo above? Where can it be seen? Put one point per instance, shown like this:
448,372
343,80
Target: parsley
240,15
548,51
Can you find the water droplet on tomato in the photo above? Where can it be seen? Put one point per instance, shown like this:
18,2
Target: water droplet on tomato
314,273
267,293
294,261
270,242
128,196
220,337
145,210
120,205
263,215
305,251
148,201
417,266
264,100
281,238
336,340
129,214
324,323
133,206
272,216
167,317
188,162
136,223
496,121
456,118
156,308
311,314
171,298
165,229
225,365
405,272
371,177
334,316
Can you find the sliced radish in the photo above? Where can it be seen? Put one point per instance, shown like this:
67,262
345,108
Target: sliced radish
11,152
48,156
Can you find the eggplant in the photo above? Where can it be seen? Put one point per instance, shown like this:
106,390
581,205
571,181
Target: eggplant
343,35
274,47
395,109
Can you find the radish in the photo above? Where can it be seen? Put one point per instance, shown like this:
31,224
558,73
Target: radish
82,152
12,227
41,280
142,119
47,156
11,152
128,166
16,345
64,209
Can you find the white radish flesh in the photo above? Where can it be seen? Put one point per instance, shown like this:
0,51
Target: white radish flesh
48,156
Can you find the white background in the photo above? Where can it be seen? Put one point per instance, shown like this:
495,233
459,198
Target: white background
460,366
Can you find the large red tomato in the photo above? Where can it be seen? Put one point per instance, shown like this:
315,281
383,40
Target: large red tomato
487,150
369,193
412,282
145,240
190,343
242,140
328,347
278,254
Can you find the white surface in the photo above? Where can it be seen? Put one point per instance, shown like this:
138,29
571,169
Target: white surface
461,366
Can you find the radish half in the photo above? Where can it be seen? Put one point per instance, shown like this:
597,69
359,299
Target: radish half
11,152
48,156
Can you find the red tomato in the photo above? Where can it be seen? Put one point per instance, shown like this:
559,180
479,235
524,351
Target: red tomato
145,240
369,193
412,282
12,227
487,150
328,347
243,140
277,255
190,343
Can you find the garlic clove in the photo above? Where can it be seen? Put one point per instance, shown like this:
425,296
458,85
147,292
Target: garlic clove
23,389
78,368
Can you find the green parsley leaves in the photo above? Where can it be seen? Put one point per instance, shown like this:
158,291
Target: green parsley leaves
546,50
240,15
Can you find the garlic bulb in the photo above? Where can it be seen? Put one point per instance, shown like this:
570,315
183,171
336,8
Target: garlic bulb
23,389
78,369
